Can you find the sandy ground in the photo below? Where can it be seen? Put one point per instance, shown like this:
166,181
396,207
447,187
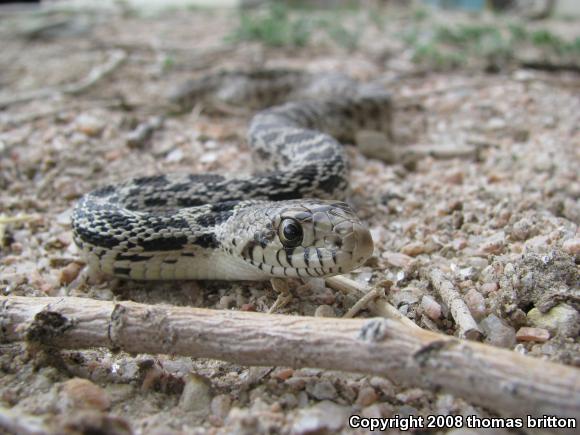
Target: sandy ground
501,219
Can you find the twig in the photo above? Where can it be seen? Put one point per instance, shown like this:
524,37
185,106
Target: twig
116,58
379,307
33,116
467,325
506,382
362,303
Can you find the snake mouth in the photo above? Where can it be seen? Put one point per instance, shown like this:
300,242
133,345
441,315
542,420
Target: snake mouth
316,262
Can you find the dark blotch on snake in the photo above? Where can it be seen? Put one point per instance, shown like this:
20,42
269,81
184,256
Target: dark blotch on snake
155,202
248,249
164,244
96,238
207,240
132,257
154,180
104,191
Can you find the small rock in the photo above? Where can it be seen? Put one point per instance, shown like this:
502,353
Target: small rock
571,210
324,311
220,406
89,125
83,394
414,248
322,390
296,384
523,229
289,401
378,410
476,304
366,396
408,296
69,273
283,374
489,287
196,396
532,334
454,177
493,244
411,395
497,333
572,247
431,307
560,320
174,156
385,386
324,417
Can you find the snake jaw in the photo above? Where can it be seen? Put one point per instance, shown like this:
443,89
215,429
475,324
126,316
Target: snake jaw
334,240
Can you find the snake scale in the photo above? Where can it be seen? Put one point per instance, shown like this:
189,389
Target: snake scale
286,220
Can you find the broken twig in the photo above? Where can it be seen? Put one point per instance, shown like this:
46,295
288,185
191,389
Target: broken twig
116,58
467,325
504,381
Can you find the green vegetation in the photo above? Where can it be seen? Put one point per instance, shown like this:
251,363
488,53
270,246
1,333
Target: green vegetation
491,45
280,26
275,27
455,46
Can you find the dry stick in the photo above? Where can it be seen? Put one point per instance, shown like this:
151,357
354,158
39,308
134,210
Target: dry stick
378,307
467,325
116,58
506,382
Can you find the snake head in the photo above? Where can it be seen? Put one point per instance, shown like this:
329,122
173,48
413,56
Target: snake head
301,238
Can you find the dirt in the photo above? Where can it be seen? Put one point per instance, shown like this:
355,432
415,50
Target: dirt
501,220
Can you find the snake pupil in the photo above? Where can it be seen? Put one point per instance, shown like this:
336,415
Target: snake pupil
291,234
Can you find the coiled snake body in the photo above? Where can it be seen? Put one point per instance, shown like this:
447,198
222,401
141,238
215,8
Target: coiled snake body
249,227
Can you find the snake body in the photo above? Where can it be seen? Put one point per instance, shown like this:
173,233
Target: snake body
287,220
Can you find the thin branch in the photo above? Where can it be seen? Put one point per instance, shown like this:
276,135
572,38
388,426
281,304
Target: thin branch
378,307
467,325
116,58
506,382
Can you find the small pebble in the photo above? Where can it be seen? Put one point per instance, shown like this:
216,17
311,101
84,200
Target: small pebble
324,311
431,307
322,418
561,320
397,259
414,248
533,334
220,406
366,396
89,125
196,396
493,244
572,247
296,384
378,410
489,287
523,229
454,177
83,394
497,333
69,273
322,390
411,395
476,304
283,374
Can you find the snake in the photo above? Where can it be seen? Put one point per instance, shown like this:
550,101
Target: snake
287,219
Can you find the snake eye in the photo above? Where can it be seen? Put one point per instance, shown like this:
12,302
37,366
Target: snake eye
290,233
